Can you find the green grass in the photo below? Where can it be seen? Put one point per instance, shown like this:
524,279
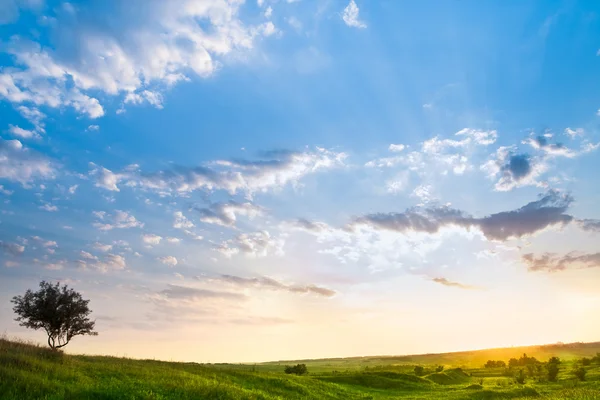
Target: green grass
28,371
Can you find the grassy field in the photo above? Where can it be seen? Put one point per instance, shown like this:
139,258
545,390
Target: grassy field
31,372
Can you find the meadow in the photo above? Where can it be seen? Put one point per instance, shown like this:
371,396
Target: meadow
29,371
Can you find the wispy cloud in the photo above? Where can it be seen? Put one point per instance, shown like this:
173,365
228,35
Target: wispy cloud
446,282
350,16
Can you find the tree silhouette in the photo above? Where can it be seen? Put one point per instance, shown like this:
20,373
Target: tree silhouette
58,310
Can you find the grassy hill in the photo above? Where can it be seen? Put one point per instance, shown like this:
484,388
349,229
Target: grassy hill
31,372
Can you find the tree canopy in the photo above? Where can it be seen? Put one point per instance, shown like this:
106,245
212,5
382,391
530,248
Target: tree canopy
60,311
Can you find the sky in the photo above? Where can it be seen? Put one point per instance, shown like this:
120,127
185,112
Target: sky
237,181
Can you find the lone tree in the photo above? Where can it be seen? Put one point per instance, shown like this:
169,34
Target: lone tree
299,369
58,310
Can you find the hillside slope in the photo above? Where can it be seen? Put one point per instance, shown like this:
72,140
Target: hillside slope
31,372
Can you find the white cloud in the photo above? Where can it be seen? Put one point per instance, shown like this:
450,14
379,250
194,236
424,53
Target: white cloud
118,220
33,115
109,262
441,155
256,244
350,16
273,171
173,240
124,52
87,256
22,133
102,247
168,260
396,148
48,207
106,179
574,132
73,189
23,165
424,193
93,128
225,214
151,239
398,183
148,96
181,222
4,191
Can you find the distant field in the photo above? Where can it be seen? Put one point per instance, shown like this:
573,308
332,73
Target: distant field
31,372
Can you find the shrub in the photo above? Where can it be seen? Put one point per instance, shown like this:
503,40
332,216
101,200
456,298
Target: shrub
554,360
586,361
298,369
552,369
419,370
520,376
439,368
580,373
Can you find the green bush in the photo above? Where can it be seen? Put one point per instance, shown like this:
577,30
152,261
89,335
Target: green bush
298,369
520,376
552,369
580,373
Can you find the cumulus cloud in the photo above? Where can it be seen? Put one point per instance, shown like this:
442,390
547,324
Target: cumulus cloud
350,16
256,244
109,262
274,170
512,170
397,148
23,165
146,53
106,179
22,133
117,220
446,282
168,260
102,247
552,262
549,210
181,222
272,284
225,214
13,249
151,239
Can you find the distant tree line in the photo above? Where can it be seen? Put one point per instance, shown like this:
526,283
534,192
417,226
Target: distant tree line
526,367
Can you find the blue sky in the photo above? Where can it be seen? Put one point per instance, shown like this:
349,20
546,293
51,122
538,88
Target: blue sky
290,167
